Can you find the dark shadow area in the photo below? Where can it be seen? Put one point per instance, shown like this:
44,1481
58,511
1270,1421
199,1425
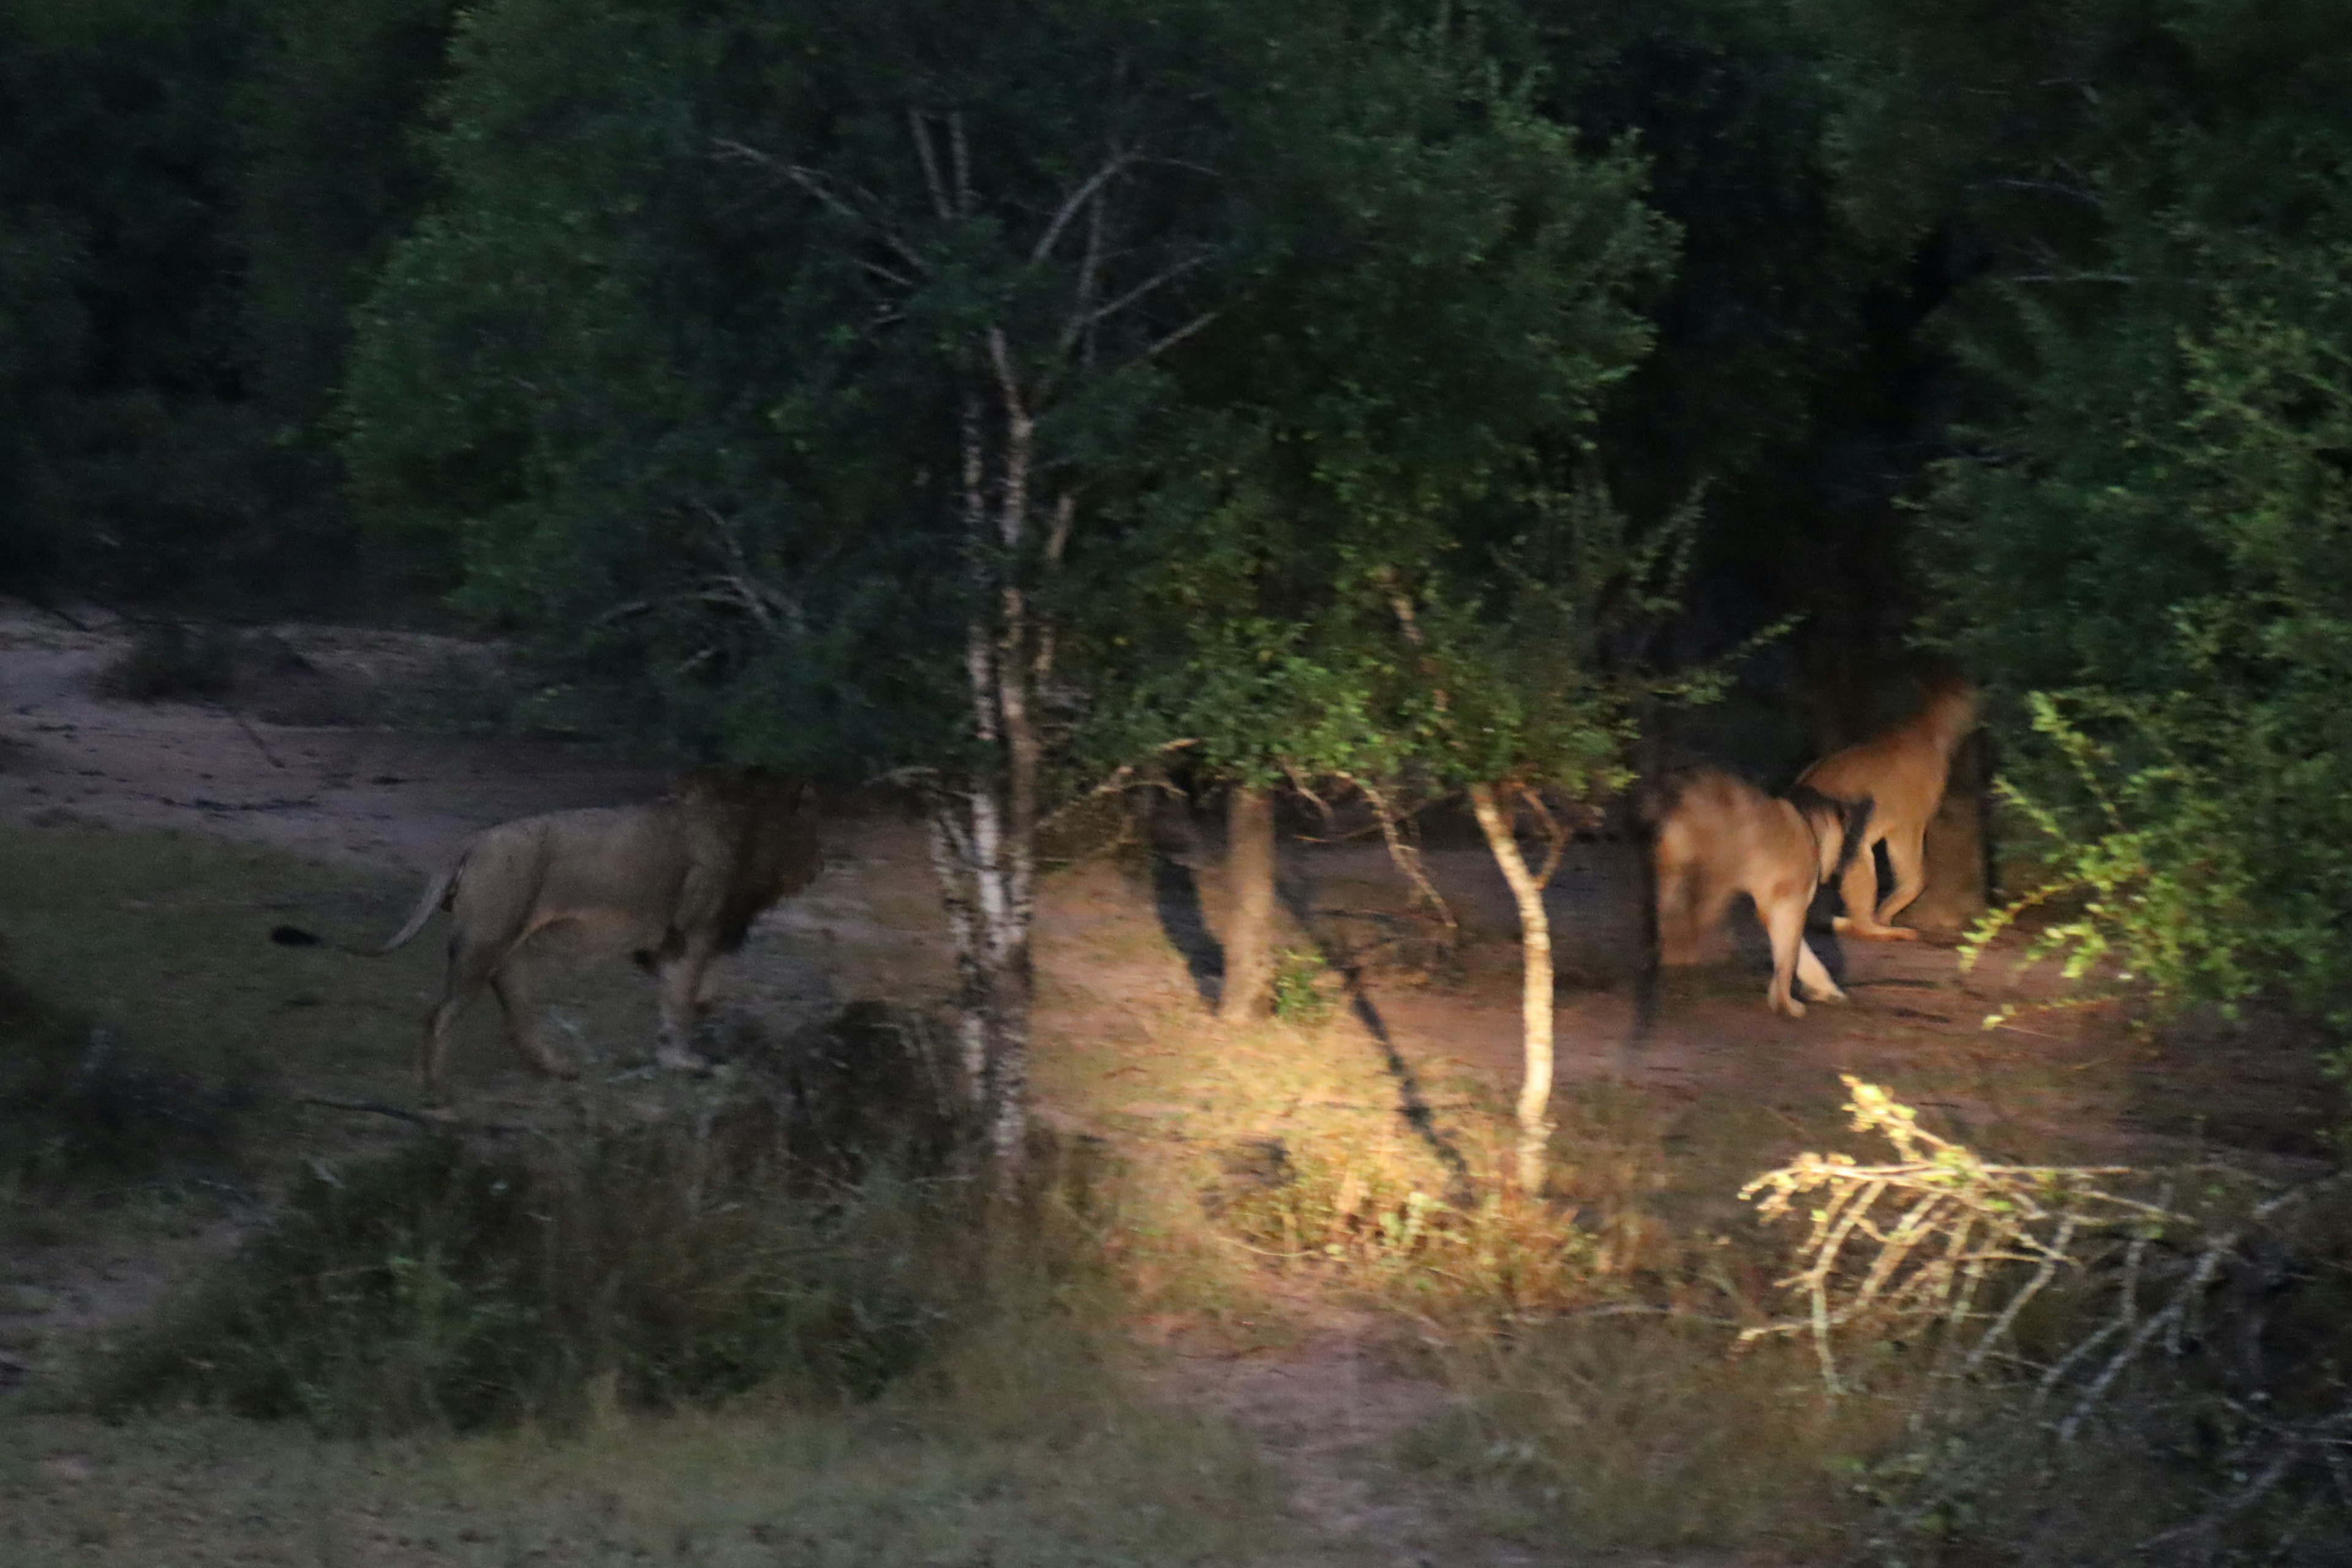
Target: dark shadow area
1647,961
1413,1103
1821,936
1176,899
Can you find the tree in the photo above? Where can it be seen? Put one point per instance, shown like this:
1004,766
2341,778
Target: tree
1518,704
1451,303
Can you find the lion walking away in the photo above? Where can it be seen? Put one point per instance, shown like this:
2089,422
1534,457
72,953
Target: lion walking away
1714,835
675,883
1902,773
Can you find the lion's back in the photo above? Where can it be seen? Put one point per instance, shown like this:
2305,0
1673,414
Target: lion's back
610,875
1736,830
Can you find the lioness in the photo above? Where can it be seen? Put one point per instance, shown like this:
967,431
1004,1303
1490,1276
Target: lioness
1716,836
675,883
1902,773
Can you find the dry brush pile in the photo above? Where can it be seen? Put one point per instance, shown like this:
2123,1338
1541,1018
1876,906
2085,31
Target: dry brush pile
2194,1313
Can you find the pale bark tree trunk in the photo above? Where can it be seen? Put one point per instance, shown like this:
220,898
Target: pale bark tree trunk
1536,993
1249,879
984,834
1015,508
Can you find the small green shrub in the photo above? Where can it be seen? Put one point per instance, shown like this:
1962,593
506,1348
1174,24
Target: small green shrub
1305,990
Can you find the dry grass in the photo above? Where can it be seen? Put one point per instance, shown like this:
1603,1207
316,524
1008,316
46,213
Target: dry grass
1027,1447
2173,1394
1636,1432
1588,1341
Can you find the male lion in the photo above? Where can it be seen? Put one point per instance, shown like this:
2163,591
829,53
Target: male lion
1902,773
1715,836
675,883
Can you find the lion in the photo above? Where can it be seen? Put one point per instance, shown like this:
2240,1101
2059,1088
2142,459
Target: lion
1902,773
1715,836
674,883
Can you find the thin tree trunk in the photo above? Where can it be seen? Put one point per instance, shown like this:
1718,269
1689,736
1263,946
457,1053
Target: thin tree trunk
1536,997
1249,877
950,865
972,859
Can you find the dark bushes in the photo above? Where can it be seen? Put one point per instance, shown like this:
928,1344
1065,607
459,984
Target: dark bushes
79,1109
819,1234
169,662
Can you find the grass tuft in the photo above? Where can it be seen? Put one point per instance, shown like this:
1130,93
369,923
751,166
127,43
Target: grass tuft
82,1110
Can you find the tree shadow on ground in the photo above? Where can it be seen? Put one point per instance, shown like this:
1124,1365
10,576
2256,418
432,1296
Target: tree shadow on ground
1176,899
1413,1102
1176,902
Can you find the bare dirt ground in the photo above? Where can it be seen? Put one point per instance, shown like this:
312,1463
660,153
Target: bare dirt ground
1122,990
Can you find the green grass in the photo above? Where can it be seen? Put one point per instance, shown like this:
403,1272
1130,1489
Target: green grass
1026,1449
164,937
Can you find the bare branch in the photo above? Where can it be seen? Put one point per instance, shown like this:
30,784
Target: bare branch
900,279
820,186
1012,511
2072,277
1082,295
1178,336
930,162
1405,855
1555,834
1075,202
961,151
1157,280
1057,539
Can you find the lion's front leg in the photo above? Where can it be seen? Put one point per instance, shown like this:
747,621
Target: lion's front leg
683,983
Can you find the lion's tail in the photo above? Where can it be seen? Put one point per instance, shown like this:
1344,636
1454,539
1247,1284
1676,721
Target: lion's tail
436,895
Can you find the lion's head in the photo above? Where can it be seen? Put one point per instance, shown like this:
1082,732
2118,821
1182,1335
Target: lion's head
768,821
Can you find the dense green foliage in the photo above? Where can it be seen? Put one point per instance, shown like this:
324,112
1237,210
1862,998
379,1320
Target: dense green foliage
2150,206
191,198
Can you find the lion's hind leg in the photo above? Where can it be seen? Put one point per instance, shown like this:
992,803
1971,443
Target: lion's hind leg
1907,854
1783,914
470,968
1813,976
514,1002
1858,889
